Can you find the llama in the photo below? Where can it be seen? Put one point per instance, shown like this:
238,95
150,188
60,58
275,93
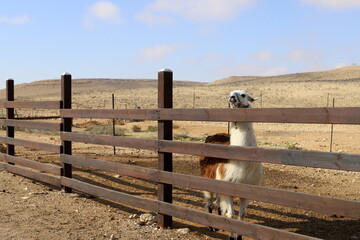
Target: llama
248,172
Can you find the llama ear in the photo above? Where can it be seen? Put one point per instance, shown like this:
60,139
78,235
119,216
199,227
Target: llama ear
232,99
251,99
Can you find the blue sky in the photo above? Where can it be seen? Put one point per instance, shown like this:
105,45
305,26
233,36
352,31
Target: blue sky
200,40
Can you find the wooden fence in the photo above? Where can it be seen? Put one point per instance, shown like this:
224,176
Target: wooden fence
165,147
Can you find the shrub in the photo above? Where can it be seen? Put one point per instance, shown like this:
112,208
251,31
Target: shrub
120,132
184,137
293,146
106,130
152,128
136,128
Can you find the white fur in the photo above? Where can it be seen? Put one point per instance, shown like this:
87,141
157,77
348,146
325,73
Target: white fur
248,172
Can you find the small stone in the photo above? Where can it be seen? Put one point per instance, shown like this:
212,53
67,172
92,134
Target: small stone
133,216
183,231
147,219
38,193
117,176
24,198
112,237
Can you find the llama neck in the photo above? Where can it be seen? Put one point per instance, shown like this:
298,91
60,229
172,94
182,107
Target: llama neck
242,134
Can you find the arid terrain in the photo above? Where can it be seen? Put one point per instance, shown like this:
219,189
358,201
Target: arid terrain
35,211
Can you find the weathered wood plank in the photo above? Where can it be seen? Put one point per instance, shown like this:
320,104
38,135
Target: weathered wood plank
125,169
316,159
46,167
31,104
31,124
31,144
66,123
10,114
231,225
42,177
147,144
315,203
135,114
341,115
165,132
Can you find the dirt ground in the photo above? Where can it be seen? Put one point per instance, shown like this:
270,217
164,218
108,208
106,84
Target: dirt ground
32,210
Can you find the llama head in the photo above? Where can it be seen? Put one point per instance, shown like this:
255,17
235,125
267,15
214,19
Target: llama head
240,99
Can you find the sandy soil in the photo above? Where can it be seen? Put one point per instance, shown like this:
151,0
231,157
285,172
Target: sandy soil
31,210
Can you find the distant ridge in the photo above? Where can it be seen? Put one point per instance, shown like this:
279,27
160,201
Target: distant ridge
232,79
87,85
52,86
350,73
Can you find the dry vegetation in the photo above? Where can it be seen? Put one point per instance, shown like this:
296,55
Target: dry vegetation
294,90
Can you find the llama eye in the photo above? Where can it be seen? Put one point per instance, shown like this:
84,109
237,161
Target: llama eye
243,95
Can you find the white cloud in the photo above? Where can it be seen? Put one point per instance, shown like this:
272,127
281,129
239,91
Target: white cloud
162,11
264,55
158,52
15,20
303,54
336,4
104,11
252,70
151,18
201,59
316,67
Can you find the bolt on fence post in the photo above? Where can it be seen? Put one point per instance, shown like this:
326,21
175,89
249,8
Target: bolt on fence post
66,124
10,114
165,132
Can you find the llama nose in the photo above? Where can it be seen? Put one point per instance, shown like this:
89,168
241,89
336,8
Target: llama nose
240,105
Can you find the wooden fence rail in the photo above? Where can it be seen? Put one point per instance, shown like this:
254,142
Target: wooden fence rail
33,104
31,144
286,198
39,176
44,167
341,115
31,124
165,147
315,159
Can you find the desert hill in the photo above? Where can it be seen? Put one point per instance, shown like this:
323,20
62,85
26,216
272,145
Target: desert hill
349,73
52,87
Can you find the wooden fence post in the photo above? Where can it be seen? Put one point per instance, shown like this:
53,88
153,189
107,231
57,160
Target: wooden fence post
332,130
113,121
165,132
66,124
10,114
